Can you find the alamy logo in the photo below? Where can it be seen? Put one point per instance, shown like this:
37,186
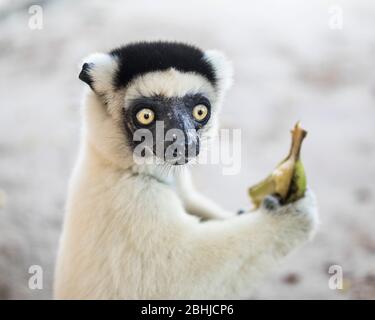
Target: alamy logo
36,17
336,19
36,280
335,282
177,147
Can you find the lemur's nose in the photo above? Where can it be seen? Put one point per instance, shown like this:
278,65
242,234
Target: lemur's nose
181,141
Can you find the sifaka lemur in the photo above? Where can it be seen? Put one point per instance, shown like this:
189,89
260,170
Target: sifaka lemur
139,230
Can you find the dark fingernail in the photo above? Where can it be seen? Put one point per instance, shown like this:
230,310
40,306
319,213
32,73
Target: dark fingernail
270,203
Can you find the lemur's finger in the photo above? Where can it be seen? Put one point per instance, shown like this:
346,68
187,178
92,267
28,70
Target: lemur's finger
271,203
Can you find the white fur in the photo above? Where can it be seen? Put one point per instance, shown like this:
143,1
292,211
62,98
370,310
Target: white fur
170,83
223,68
130,233
102,72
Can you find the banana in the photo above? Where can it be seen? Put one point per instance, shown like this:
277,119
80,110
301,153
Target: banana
288,180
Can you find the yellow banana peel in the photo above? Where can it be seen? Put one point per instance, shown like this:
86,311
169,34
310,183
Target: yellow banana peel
288,180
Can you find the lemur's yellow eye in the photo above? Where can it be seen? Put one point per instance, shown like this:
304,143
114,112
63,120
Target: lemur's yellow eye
145,116
200,112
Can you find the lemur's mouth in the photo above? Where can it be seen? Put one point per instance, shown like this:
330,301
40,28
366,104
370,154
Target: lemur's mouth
183,154
180,162
175,156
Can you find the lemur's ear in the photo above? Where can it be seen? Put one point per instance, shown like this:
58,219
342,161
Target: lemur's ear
97,71
223,68
85,76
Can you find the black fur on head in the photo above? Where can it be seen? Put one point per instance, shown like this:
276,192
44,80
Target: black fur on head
142,57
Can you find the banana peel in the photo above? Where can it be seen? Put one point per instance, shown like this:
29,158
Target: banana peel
288,180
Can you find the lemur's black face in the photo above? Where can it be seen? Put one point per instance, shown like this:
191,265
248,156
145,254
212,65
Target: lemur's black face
163,94
174,124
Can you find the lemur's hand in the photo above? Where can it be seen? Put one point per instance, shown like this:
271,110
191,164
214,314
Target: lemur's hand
304,209
305,206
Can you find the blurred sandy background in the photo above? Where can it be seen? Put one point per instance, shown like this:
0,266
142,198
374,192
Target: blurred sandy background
289,65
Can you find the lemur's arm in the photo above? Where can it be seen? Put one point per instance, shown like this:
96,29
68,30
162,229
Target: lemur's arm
196,203
229,255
